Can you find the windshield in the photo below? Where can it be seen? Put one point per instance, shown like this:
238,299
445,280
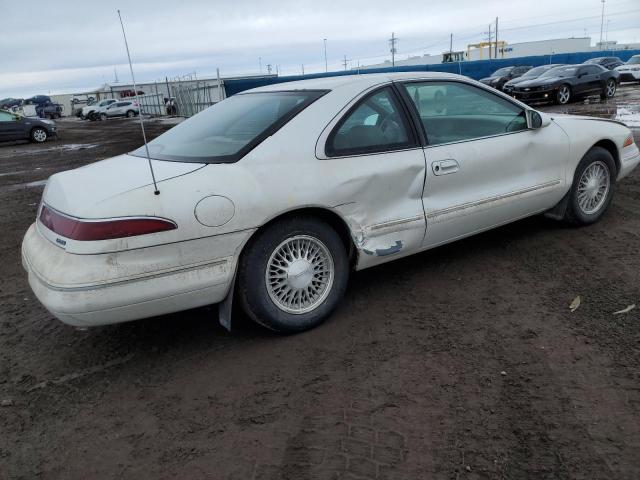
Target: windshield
595,60
563,72
229,129
536,72
633,61
501,72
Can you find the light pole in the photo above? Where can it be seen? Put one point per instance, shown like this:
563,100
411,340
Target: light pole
601,23
326,65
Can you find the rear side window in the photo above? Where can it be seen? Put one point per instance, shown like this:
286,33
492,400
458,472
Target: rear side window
455,112
229,129
376,124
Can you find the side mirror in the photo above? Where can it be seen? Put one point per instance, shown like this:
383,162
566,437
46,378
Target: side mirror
536,120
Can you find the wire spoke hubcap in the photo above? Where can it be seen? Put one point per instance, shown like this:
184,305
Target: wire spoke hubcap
299,274
593,187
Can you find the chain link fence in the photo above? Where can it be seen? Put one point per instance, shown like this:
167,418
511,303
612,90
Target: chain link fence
193,97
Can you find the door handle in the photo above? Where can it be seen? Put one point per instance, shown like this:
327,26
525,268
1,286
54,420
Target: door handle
445,167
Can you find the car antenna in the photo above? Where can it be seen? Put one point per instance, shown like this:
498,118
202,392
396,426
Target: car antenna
135,90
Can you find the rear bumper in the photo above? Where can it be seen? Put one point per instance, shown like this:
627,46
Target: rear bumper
115,292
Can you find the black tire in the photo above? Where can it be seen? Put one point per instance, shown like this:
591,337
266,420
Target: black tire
39,135
253,293
606,93
560,97
92,116
131,114
103,117
575,214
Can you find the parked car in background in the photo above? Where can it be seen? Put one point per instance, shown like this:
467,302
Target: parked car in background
503,75
7,103
128,108
529,75
607,62
567,83
50,110
17,127
275,195
93,110
630,71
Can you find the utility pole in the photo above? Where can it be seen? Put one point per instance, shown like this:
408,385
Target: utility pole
303,69
260,63
344,62
489,34
601,23
268,69
392,45
496,50
451,43
326,65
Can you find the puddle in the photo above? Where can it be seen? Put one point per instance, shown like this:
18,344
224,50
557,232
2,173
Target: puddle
629,115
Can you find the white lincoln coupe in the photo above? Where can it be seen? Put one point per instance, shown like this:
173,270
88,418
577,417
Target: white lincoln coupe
273,196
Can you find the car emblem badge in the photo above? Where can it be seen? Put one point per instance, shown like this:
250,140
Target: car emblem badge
61,242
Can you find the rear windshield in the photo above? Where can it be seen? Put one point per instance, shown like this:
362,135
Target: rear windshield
633,60
228,130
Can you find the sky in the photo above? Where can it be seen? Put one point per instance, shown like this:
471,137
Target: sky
66,46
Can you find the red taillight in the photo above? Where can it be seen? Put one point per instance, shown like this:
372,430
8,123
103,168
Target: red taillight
102,229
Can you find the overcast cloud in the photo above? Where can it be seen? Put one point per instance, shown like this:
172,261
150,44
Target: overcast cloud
67,46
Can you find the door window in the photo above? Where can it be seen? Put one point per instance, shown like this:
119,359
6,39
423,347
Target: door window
376,124
455,112
6,117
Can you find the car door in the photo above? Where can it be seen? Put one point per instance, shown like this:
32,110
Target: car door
10,127
485,167
374,151
593,76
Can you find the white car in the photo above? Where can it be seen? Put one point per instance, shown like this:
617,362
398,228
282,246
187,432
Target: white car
630,71
125,108
273,196
93,111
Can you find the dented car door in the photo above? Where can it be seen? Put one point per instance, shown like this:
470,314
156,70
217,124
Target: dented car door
382,170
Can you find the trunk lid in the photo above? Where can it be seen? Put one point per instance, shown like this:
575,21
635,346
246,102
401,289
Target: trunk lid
77,192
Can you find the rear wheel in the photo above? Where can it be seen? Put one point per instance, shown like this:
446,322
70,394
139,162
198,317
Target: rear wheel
103,117
39,135
131,114
609,89
563,95
293,274
593,187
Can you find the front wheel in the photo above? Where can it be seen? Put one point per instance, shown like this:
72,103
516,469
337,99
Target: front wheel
563,95
293,274
609,89
103,117
593,187
39,135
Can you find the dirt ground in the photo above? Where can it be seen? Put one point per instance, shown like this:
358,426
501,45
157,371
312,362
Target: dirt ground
463,362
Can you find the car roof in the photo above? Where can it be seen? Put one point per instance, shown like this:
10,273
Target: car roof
364,81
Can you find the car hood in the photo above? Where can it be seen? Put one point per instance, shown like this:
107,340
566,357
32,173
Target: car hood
536,82
517,81
78,192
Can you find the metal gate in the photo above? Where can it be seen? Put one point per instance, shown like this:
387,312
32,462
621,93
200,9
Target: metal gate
152,104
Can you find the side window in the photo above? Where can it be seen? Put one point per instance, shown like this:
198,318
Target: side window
455,112
593,70
6,117
377,124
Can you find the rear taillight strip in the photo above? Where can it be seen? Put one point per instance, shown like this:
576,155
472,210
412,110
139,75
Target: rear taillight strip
106,229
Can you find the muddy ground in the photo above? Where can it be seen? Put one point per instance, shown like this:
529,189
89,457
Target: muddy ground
459,363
